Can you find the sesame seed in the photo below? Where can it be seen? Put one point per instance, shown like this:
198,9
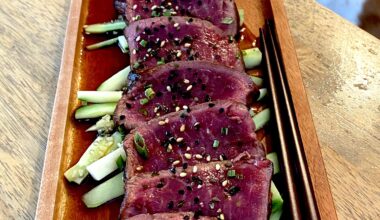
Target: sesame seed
221,216
188,149
162,43
186,81
185,107
134,51
199,186
217,166
224,183
175,162
168,88
176,25
242,37
183,174
195,169
176,7
155,110
198,156
242,30
154,7
134,7
179,53
170,148
166,120
177,108
189,87
138,38
139,168
188,156
180,139
182,128
161,123
187,45
221,158
219,210
208,158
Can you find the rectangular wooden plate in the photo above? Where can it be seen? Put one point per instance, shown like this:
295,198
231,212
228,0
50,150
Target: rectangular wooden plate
81,70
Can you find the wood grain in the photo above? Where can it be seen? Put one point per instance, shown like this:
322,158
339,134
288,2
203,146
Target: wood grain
340,65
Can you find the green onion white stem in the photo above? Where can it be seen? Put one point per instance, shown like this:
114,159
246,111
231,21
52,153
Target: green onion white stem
105,192
252,57
263,93
123,44
106,165
95,110
117,81
261,118
103,125
104,27
277,203
99,96
273,157
102,44
257,80
98,149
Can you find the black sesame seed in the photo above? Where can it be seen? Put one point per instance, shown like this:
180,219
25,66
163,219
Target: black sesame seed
211,104
181,192
160,185
233,190
172,170
189,188
184,166
159,94
129,106
186,217
122,117
170,205
221,110
196,200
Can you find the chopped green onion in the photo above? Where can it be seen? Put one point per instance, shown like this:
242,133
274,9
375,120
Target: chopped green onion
167,13
103,125
136,65
116,82
227,20
257,80
155,14
140,145
104,27
105,192
273,157
143,43
261,119
224,131
144,101
231,173
99,96
149,93
123,44
161,61
252,57
102,44
241,16
95,110
263,93
120,163
215,144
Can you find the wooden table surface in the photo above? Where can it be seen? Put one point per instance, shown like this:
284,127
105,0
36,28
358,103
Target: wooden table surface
340,65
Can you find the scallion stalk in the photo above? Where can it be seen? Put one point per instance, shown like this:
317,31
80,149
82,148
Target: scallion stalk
117,81
104,27
123,44
95,110
261,118
106,165
102,44
99,96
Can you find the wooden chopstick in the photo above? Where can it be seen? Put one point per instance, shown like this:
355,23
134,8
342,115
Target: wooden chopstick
300,162
285,153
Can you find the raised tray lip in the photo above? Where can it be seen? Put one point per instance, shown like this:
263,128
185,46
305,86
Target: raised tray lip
46,205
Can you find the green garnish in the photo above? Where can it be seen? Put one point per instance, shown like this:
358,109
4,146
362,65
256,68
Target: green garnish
136,65
167,13
161,62
149,93
144,101
143,43
227,20
231,173
224,131
155,14
120,163
140,145
215,144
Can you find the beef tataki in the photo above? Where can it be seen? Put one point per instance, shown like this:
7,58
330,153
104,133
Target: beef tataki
172,86
221,130
160,40
219,189
170,216
224,12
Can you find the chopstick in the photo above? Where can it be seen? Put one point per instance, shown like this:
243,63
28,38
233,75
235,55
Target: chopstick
284,147
300,162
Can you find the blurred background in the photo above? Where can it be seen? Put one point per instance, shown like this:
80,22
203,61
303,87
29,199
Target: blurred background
363,13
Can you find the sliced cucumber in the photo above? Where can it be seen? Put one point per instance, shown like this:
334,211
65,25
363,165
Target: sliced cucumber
95,110
104,27
117,81
273,157
102,44
277,203
252,57
257,80
105,192
261,118
98,149
99,96
106,165
123,44
263,93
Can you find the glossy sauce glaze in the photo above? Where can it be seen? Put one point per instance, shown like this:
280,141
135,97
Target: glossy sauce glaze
95,67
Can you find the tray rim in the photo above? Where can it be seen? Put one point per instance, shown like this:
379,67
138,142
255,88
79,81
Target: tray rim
46,205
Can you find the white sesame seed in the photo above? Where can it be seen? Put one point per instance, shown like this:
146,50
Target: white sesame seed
187,45
180,139
254,43
179,53
217,166
139,168
185,107
189,88
242,30
182,128
166,120
219,210
195,169
177,108
138,38
221,216
224,183
188,149
170,148
176,39
161,123
183,174
168,88
186,81
155,110
134,7
175,162
208,158
176,25
162,43
221,158
198,156
153,7
242,37
188,156
199,186
176,7
134,51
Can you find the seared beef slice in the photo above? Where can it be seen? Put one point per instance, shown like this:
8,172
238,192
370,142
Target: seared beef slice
207,132
169,216
155,41
178,84
238,191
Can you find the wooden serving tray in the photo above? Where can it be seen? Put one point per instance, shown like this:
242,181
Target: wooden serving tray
83,70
